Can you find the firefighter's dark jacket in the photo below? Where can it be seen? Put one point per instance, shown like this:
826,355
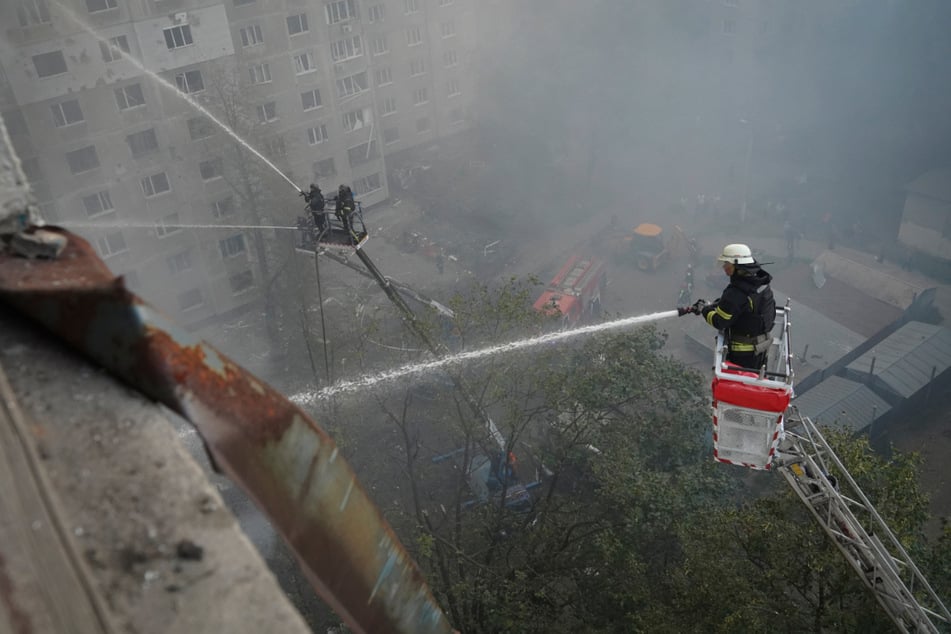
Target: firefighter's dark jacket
734,311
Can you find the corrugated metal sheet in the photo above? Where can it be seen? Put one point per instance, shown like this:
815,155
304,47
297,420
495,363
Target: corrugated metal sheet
904,361
841,403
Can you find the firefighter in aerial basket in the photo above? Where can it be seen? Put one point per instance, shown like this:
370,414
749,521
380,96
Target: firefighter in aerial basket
345,208
746,310
316,203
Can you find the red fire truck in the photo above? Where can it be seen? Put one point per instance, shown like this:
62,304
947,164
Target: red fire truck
575,292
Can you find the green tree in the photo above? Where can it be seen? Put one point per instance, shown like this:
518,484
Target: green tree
766,564
632,527
261,196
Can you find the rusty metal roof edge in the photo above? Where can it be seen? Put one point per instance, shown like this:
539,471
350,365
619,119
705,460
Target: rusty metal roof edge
281,457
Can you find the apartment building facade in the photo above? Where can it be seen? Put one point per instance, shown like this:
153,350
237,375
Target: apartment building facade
323,90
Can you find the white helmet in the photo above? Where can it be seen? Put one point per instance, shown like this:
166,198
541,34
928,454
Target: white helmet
736,254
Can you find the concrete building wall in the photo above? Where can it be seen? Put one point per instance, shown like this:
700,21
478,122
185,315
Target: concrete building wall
208,30
98,110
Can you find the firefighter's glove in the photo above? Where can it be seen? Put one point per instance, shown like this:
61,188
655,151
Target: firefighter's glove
698,306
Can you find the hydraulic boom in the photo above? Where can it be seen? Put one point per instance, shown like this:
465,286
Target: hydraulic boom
840,507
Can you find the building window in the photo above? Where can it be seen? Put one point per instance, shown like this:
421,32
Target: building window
267,112
304,63
155,184
49,64
33,12
310,99
324,169
83,159
384,76
275,148
417,67
367,184
346,49
450,58
379,45
420,96
729,27
456,115
98,203
377,13
297,24
142,143
241,282
241,3
388,107
232,246
352,85
190,81
200,128
210,169
224,208
178,36
67,113
423,124
251,35
731,3
414,36
445,3
391,135
410,6
363,153
168,225
447,28
180,262
190,300
111,244
317,134
452,88
130,97
356,119
114,49
260,73
94,6
340,11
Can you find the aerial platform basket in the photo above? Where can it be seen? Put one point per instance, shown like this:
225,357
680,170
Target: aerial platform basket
749,404
335,234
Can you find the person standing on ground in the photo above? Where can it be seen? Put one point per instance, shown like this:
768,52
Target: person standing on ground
789,232
746,310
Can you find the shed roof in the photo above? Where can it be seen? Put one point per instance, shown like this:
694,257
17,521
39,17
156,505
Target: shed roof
841,403
935,184
904,361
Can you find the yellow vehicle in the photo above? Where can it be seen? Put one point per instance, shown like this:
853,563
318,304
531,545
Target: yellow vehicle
647,246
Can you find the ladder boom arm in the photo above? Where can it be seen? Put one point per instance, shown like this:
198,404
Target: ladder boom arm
847,516
437,349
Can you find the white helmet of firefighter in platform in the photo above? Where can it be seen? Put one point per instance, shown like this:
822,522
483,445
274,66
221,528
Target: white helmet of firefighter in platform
736,254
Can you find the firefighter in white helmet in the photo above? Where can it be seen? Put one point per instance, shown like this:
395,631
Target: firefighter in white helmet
745,311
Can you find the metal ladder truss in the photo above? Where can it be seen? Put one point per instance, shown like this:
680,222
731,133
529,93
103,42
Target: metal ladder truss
808,463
